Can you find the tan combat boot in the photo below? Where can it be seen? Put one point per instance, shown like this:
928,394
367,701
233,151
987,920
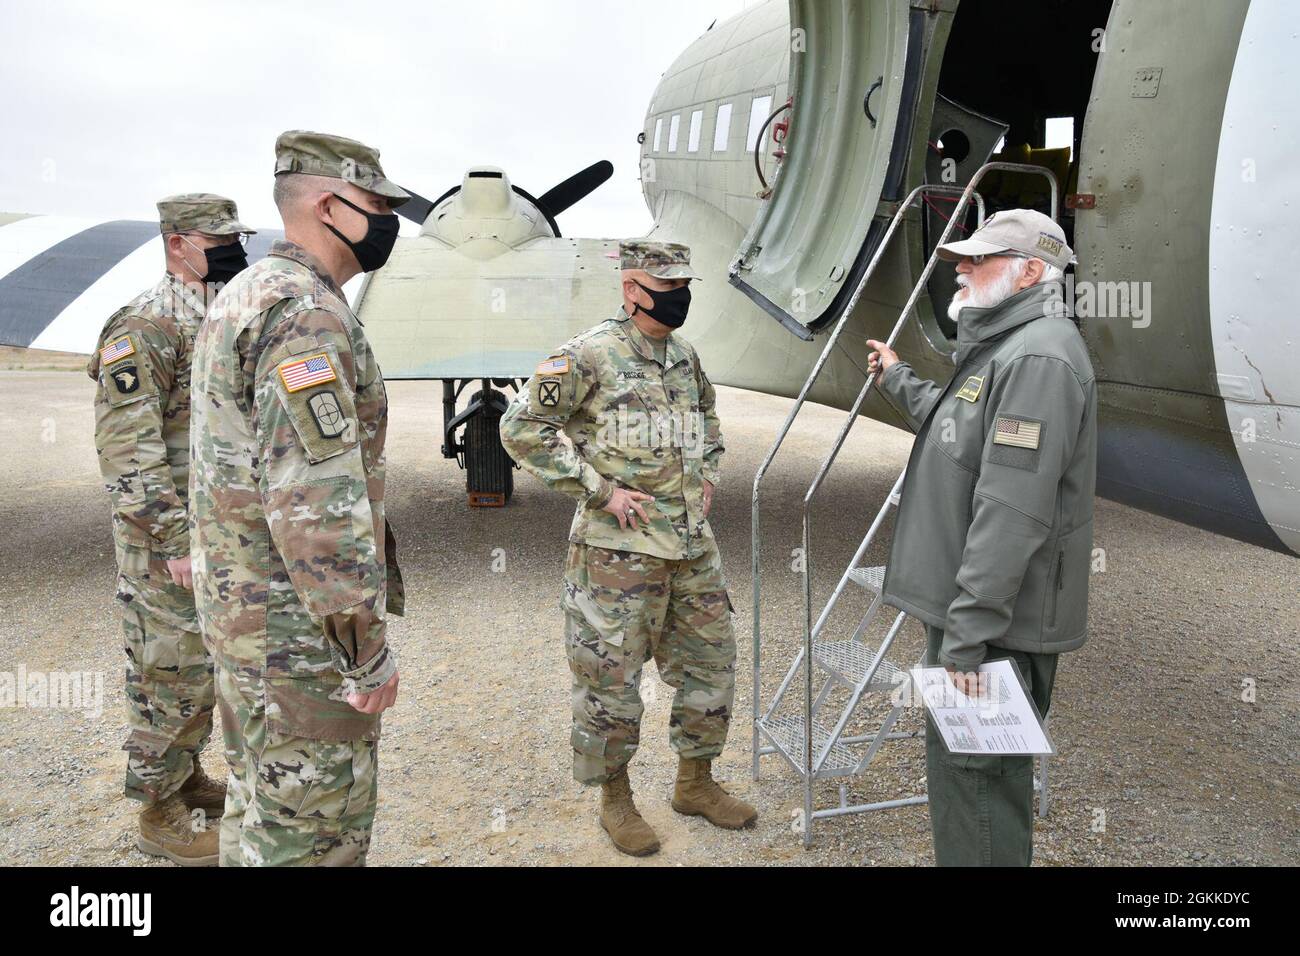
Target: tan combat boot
201,792
697,794
167,829
618,815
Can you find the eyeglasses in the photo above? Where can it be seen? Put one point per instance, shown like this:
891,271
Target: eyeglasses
979,260
242,237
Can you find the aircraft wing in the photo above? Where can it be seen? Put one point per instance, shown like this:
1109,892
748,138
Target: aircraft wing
61,277
434,312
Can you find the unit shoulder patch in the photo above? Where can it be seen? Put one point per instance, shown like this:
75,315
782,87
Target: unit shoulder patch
126,378
970,390
323,419
329,417
548,392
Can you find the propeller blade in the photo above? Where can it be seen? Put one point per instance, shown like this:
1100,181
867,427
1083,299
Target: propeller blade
559,198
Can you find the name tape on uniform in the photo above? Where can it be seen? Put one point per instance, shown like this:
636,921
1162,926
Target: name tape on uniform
116,350
306,372
971,390
1015,431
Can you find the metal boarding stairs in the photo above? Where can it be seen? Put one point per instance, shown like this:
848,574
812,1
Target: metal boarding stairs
813,750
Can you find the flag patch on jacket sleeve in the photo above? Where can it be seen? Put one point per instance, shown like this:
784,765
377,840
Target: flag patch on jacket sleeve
304,373
553,366
116,351
1017,431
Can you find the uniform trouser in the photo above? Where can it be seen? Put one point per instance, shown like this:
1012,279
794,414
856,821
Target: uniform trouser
169,688
291,801
982,808
621,609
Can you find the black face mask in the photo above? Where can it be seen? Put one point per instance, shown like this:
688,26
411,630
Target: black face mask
224,263
377,244
669,307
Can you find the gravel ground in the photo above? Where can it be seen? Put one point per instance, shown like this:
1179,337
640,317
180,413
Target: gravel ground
1162,761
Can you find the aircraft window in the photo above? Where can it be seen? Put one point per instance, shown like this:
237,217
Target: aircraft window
693,138
659,128
672,132
722,128
1059,133
759,107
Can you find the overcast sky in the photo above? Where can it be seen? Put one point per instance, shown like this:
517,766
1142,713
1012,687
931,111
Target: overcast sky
107,106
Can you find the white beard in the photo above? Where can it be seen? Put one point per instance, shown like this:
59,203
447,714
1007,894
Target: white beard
995,290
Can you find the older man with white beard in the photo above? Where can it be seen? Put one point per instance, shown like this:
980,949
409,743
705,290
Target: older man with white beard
993,542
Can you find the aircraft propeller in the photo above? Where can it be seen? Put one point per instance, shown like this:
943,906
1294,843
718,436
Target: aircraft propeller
552,202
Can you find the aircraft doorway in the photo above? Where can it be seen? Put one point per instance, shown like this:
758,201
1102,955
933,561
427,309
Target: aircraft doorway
1014,86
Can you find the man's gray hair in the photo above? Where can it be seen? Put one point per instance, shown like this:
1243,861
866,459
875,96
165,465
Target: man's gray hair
291,188
1051,273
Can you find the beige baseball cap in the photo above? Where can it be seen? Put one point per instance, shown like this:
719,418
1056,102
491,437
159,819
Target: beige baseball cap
1026,231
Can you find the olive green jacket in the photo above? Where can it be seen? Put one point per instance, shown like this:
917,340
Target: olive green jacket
993,542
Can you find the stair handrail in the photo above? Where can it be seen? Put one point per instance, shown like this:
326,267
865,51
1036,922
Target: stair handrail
755,530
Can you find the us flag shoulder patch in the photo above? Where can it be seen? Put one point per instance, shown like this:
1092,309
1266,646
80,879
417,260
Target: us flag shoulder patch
1018,432
116,350
554,366
306,372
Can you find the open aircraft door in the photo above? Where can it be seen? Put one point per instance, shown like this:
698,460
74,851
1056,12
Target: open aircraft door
857,71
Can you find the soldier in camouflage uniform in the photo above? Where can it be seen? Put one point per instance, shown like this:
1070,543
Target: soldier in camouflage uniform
141,367
622,419
294,563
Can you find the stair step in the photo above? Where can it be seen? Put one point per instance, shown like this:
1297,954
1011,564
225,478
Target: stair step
873,579
788,735
850,659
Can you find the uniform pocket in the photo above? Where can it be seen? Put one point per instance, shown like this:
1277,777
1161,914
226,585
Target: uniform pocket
595,660
154,650
315,709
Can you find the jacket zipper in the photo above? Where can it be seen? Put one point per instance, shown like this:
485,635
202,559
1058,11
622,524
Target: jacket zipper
1056,590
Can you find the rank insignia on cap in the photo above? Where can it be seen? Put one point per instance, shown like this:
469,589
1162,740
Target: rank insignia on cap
116,350
971,390
548,392
554,366
1016,431
304,373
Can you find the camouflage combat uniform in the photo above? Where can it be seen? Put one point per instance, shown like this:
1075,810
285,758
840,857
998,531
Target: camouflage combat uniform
604,411
142,425
288,496
141,367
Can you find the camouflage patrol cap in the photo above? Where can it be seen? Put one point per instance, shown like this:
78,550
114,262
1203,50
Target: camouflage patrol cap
1026,231
200,212
320,154
663,260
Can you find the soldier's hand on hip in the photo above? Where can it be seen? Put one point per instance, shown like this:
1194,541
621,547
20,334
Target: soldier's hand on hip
708,496
182,572
625,505
378,700
881,358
